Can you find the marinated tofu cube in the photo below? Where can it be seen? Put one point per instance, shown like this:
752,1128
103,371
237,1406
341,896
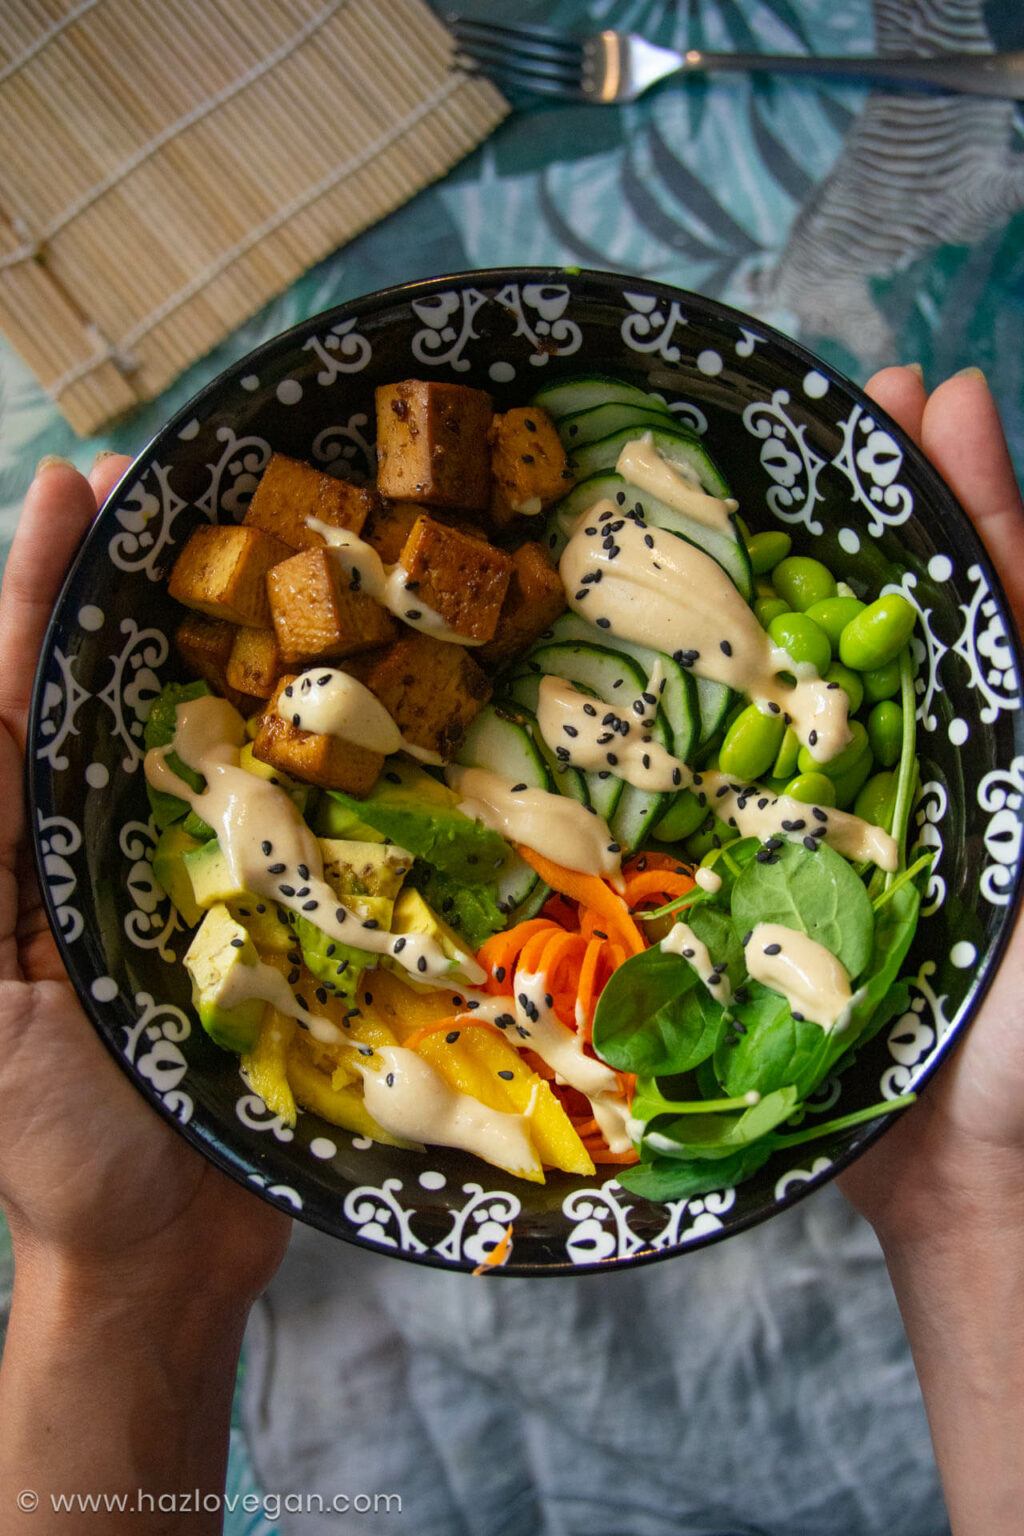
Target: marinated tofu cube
222,572
430,688
327,761
534,599
254,664
528,464
388,527
204,645
432,444
459,577
317,613
290,492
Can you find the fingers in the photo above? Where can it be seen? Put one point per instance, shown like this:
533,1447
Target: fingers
105,473
963,436
901,392
58,509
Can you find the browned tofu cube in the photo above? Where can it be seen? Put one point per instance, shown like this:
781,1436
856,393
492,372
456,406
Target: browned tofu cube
290,492
323,760
254,664
204,645
432,444
528,464
534,599
317,613
431,689
222,572
388,527
459,577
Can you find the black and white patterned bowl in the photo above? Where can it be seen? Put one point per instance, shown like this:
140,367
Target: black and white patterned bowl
801,446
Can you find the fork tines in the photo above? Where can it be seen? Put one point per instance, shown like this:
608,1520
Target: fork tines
529,58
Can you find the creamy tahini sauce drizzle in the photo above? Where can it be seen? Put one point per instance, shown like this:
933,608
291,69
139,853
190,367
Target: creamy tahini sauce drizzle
537,1027
331,703
595,737
268,847
755,812
245,983
567,832
648,586
642,465
387,585
810,978
682,940
409,1098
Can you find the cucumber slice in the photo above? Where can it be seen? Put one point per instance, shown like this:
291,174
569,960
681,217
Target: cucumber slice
603,794
615,678
599,421
570,395
497,741
727,550
567,779
679,705
682,449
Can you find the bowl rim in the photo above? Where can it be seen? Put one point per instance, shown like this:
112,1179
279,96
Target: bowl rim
595,283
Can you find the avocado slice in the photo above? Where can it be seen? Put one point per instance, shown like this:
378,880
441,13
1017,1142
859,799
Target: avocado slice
413,915
421,814
171,873
333,820
211,876
360,868
251,763
159,732
220,947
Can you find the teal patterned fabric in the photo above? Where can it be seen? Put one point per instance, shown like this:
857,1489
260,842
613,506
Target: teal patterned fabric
877,227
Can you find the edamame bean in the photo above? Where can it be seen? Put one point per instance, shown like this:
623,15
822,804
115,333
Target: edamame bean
877,800
768,608
767,549
763,587
812,789
712,833
744,530
877,635
751,743
802,640
849,682
803,581
882,682
848,785
683,816
856,748
833,614
885,732
784,765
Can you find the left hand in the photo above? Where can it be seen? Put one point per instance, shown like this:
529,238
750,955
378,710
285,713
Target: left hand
90,1176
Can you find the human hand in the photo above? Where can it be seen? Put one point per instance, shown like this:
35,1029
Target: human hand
949,1165
90,1177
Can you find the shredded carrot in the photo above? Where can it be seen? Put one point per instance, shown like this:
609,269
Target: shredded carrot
498,1254
501,951
644,861
588,984
589,891
656,882
456,1022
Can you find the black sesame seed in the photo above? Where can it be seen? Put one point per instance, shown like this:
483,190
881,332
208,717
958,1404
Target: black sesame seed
267,848
773,949
287,890
570,730
527,458
811,844
798,1018
812,739
311,905
604,623
646,759
451,1036
649,540
725,647
296,720
517,789
393,778
370,922
421,963
614,847
303,871
581,594
776,709
302,1002
611,758
398,946
588,709
714,980
275,869
507,1075
340,914
237,943
747,937
413,613
321,994
818,813
289,691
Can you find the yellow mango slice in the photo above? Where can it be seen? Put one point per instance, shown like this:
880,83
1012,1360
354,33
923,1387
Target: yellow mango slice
472,1064
265,1066
399,1007
340,1106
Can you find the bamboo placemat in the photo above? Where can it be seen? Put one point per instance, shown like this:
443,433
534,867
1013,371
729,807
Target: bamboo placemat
167,166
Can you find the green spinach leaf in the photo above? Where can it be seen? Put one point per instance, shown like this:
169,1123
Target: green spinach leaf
670,1178
656,1016
718,1135
815,893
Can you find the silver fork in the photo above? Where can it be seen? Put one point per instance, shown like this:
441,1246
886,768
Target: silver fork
619,66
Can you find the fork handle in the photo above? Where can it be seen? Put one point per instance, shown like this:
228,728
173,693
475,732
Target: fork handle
977,74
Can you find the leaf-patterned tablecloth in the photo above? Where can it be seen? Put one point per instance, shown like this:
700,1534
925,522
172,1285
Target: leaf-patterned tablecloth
875,226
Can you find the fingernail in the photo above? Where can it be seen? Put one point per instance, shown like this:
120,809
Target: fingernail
915,368
969,373
52,461
104,453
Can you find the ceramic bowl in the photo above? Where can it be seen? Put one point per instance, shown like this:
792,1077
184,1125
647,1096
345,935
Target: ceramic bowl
803,449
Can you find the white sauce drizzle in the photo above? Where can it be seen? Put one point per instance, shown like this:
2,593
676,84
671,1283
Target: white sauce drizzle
332,703
642,465
566,830
594,736
385,584
655,589
708,880
410,1098
813,982
268,847
247,982
756,812
681,940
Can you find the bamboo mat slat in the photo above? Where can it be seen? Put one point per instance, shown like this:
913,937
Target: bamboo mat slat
166,169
